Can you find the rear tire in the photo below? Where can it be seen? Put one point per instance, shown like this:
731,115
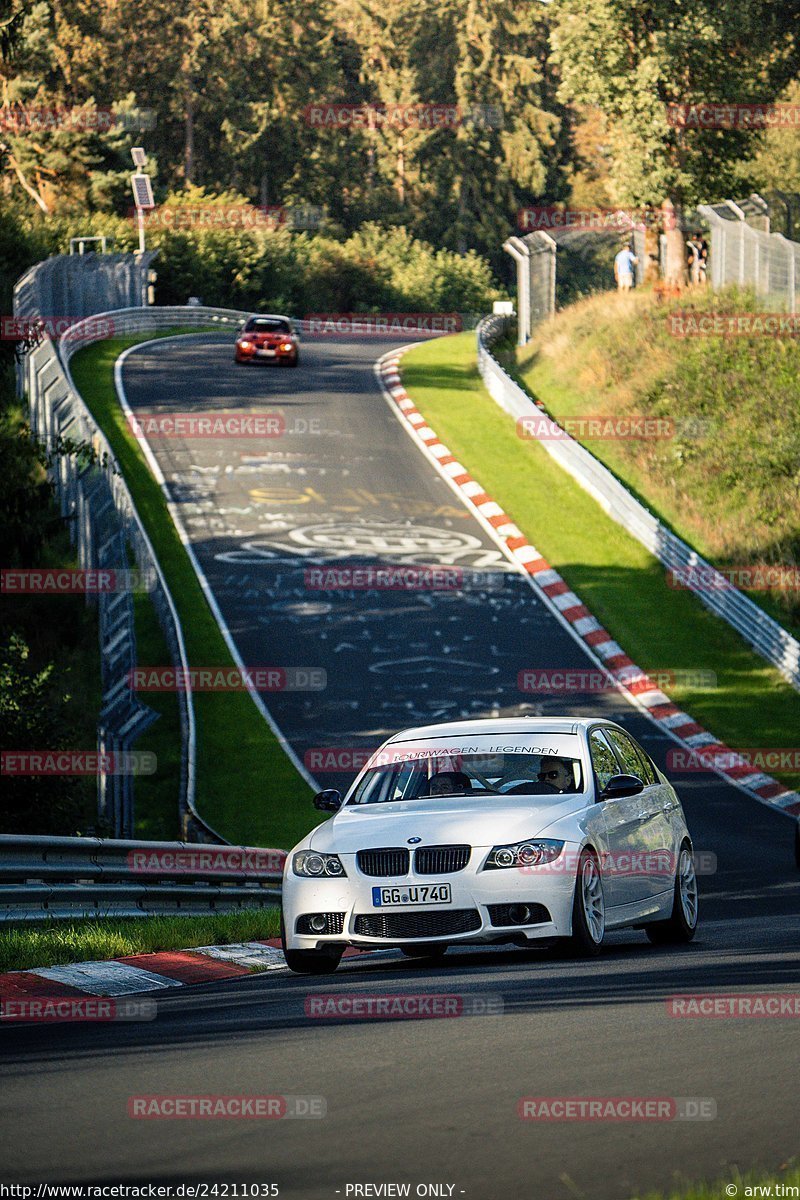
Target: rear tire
588,908
681,925
310,962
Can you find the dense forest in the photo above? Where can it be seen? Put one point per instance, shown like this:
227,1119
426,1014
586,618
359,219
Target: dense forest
444,119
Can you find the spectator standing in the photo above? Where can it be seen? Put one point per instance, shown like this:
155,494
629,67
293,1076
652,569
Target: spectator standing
624,264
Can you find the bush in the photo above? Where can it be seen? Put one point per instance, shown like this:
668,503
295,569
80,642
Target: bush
34,715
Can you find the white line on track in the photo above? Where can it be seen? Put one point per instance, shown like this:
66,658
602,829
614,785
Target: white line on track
203,581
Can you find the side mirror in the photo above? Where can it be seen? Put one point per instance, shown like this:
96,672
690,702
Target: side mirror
328,800
619,786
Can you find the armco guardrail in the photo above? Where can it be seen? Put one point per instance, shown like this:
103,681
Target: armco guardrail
764,634
107,531
44,877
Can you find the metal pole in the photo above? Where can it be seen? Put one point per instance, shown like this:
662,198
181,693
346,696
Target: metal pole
140,220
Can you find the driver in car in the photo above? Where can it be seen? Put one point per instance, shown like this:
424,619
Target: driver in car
557,772
449,783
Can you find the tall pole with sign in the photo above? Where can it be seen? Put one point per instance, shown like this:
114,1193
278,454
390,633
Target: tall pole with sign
142,192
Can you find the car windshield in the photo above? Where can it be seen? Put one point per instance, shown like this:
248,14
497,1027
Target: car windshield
267,325
413,774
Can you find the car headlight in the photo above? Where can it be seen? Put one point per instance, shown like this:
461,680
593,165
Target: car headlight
312,865
531,853
245,345
287,346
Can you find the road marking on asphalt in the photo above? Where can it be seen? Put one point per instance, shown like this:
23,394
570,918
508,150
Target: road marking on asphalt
177,517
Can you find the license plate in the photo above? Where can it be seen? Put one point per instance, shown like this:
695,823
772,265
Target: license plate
266,353
429,893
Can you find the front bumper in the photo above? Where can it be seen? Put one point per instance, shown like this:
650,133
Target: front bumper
474,892
253,355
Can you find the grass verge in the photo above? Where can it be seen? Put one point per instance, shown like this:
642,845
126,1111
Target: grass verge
246,786
727,477
622,584
96,939
751,1184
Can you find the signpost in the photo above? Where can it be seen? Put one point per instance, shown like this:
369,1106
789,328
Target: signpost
142,192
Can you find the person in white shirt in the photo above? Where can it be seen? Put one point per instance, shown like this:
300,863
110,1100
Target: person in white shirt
624,263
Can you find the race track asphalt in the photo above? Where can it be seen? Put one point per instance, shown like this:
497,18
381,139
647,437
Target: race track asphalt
418,1101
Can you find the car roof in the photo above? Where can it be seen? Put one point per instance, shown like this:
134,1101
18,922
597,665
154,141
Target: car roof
490,725
269,317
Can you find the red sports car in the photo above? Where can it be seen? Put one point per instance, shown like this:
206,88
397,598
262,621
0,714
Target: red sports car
268,338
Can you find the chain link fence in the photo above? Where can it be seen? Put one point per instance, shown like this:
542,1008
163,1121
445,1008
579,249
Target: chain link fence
742,253
71,286
556,267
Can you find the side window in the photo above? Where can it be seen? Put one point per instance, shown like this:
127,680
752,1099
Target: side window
603,760
629,755
648,770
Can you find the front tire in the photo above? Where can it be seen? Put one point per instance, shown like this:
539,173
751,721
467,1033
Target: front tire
588,908
310,962
681,925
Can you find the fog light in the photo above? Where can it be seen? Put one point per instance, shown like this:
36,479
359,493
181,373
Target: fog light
318,923
519,914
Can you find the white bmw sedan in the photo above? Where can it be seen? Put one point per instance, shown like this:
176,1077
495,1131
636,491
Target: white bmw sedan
492,831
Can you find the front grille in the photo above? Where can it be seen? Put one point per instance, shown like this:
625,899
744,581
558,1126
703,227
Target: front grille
334,923
510,914
441,860
401,925
390,861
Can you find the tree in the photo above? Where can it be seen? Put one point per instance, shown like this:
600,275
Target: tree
633,58
776,163
34,707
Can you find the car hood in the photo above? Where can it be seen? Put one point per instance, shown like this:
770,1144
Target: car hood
442,822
